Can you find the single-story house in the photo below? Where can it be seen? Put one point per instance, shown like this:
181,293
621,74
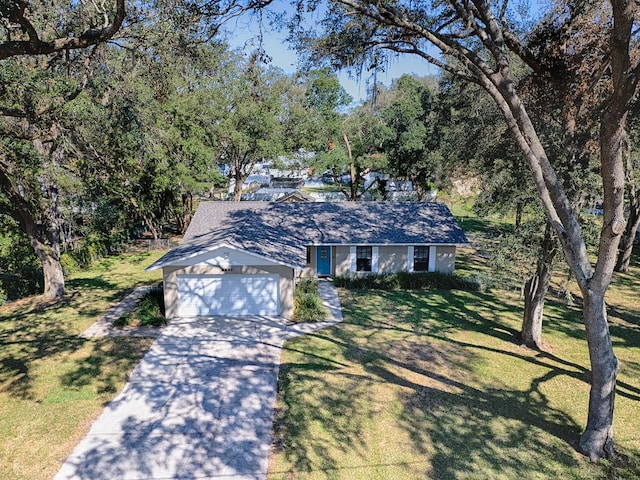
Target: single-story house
243,258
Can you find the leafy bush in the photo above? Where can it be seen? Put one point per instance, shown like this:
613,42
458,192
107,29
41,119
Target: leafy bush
69,264
409,281
148,313
29,281
93,247
307,304
90,249
20,270
307,285
483,280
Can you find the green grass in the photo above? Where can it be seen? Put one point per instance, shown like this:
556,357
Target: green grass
53,383
429,384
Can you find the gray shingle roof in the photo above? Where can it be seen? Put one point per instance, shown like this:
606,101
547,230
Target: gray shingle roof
282,231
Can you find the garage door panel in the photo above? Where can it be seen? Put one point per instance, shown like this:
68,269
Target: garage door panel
228,295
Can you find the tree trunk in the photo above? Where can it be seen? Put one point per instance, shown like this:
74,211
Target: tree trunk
187,208
353,172
535,290
629,235
239,178
150,227
48,253
597,440
355,183
44,239
237,190
628,239
54,286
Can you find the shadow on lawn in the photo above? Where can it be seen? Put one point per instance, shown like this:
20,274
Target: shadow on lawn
33,330
624,327
107,364
108,291
459,426
26,338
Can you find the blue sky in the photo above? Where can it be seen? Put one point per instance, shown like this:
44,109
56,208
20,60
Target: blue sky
284,58
276,47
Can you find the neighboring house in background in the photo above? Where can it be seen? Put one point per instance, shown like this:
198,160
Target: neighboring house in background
243,258
330,197
276,195
295,196
287,182
399,186
371,177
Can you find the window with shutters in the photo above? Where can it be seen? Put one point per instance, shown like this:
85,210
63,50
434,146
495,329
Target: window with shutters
364,256
421,259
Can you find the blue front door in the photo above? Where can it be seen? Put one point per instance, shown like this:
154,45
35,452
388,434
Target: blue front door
323,260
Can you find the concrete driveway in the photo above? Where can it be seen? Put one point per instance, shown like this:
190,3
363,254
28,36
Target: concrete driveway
198,405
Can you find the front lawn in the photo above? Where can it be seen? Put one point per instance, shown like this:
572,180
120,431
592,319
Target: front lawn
53,383
429,384
422,384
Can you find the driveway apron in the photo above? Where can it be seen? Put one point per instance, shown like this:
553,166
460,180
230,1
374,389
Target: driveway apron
199,405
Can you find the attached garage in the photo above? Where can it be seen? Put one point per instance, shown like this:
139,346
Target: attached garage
227,281
211,295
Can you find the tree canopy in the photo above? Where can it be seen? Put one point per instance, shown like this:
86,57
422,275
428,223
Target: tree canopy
29,30
103,143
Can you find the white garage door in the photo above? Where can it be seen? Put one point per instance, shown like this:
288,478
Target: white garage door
208,295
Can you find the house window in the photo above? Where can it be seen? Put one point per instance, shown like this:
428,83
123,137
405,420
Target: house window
421,259
308,255
363,259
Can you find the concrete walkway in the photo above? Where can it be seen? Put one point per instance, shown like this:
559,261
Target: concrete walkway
198,405
103,327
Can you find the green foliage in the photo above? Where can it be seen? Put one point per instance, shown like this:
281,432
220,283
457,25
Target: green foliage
326,95
354,151
477,139
20,271
307,285
88,250
307,304
250,122
149,311
409,281
69,263
516,251
411,111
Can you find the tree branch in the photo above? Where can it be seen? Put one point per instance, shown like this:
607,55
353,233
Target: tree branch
12,112
444,43
429,58
35,46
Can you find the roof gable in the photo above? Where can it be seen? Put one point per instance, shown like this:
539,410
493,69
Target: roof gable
224,256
